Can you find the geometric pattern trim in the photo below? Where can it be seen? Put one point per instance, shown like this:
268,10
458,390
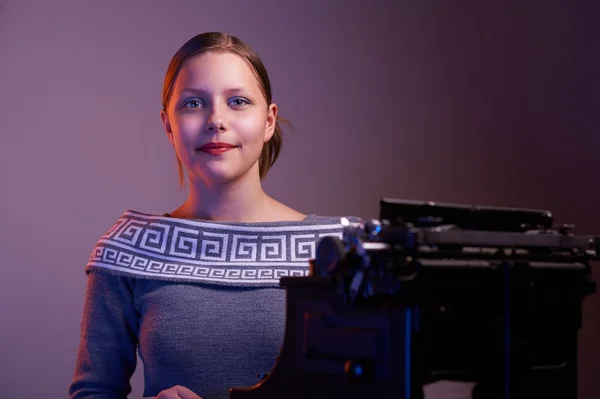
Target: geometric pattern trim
233,254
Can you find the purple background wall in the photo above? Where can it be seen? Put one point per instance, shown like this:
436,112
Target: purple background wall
480,102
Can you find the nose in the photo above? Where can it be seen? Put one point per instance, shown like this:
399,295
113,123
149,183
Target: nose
215,121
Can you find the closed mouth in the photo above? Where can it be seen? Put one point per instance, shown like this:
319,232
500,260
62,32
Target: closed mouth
216,146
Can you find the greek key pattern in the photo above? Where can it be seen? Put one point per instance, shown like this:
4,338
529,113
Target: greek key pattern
254,254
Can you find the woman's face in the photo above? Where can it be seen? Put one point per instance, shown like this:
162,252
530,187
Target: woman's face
218,119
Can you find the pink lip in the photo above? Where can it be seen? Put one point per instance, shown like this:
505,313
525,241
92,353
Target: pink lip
216,148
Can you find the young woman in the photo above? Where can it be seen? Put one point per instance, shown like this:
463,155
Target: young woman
196,291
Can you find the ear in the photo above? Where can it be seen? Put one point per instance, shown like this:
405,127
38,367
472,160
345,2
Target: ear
167,125
271,122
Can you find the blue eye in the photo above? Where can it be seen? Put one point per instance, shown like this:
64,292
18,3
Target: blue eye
239,102
192,103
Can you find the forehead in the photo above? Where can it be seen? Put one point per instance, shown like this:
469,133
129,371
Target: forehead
216,71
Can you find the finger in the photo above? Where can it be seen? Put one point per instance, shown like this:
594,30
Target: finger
186,393
170,393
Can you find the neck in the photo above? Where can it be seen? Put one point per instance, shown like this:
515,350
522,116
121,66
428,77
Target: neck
240,201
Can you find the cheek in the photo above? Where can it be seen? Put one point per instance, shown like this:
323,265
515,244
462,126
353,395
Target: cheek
251,129
186,129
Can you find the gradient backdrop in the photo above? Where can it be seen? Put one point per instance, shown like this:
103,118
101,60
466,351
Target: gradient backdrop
468,101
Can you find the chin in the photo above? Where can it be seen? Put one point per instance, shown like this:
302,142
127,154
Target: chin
221,175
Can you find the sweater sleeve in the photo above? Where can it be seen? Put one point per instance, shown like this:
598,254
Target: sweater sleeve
106,358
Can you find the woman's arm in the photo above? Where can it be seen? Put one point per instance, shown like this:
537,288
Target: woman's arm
107,355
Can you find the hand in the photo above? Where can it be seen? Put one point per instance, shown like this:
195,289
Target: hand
177,392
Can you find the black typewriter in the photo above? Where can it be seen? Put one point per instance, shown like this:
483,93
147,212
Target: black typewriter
432,292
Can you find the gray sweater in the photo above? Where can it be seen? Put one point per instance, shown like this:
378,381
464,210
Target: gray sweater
199,301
